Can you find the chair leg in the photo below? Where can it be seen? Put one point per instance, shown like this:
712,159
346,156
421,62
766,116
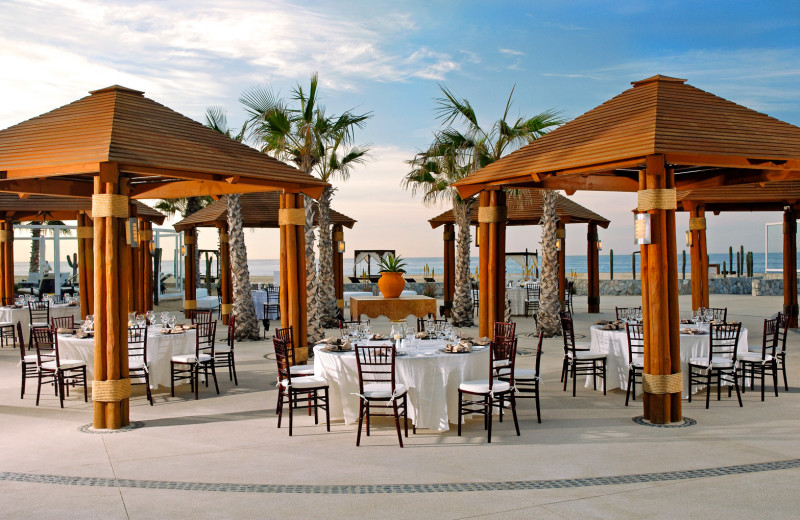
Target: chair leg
405,413
327,412
691,374
708,389
785,381
460,396
575,378
736,385
172,378
147,386
196,379
279,408
513,401
233,369
538,410
214,374
60,384
775,377
85,391
631,374
24,377
360,420
564,371
489,415
291,411
39,388
397,422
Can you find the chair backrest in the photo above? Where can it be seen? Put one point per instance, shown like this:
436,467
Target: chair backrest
21,340
564,314
200,316
282,359
8,300
475,295
46,342
63,322
375,365
532,292
39,311
720,313
231,330
568,334
206,335
504,330
502,360
783,329
137,343
724,339
286,335
635,340
769,340
624,313
430,317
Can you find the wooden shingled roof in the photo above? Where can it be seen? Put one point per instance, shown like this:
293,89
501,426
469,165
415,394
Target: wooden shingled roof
525,209
45,207
259,210
707,139
164,153
770,196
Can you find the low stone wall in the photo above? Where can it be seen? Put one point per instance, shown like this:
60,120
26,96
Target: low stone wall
769,286
733,285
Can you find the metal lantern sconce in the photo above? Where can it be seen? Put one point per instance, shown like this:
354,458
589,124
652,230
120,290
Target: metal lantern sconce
152,247
689,241
132,232
340,246
599,245
183,250
642,229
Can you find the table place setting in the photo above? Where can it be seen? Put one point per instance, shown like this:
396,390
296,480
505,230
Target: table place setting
336,345
611,325
462,347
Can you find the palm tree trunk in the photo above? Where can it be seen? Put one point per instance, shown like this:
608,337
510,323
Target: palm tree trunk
548,295
462,299
315,332
326,289
243,308
33,264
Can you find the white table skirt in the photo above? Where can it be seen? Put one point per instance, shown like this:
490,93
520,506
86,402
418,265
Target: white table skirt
260,298
615,344
431,376
160,349
13,315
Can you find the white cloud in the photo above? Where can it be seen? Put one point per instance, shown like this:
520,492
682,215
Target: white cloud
511,52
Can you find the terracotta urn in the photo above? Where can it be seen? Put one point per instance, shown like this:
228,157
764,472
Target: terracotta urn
391,284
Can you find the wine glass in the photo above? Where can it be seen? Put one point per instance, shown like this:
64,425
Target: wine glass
164,319
430,328
172,320
151,317
88,323
140,320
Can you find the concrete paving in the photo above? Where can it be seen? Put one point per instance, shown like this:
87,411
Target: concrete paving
224,457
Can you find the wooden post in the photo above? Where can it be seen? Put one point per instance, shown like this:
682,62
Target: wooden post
338,266
561,235
449,285
492,221
790,266
134,294
483,269
660,297
111,285
189,273
593,269
7,259
293,273
147,258
225,275
85,267
698,256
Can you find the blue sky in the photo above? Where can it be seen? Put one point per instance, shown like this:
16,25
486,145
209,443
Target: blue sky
389,57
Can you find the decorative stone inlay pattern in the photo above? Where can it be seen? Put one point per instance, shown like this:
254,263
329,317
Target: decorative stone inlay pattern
687,421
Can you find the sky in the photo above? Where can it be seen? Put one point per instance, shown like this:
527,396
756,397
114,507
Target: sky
389,59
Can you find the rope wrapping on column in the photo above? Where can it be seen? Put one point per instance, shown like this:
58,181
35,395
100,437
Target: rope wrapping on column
226,308
292,217
111,391
223,238
659,384
489,214
658,199
449,236
561,233
6,235
110,205
338,236
85,232
189,240
190,304
697,223
145,235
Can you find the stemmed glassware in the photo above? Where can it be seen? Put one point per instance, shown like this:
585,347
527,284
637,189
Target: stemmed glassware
172,320
140,320
151,317
88,323
164,319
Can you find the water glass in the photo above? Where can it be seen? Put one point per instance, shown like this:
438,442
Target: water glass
172,319
140,320
151,317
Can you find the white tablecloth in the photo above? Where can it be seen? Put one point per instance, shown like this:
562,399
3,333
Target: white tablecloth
160,349
13,315
262,297
431,376
615,344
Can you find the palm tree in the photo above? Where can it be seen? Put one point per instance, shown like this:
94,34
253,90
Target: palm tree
303,135
33,262
458,151
548,292
243,308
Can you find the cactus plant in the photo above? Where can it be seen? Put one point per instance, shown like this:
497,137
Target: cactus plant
73,263
750,264
724,270
683,264
741,265
633,265
730,258
611,263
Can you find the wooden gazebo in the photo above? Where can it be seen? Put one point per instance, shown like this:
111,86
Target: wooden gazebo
769,196
525,209
116,145
259,210
14,208
659,136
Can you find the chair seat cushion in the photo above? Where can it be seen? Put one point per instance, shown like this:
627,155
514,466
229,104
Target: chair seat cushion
222,349
716,362
481,386
637,362
520,374
191,358
30,358
302,370
6,324
307,383
754,357
66,364
40,324
136,364
383,390
586,355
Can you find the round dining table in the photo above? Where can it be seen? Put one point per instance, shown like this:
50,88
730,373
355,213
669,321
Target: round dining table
431,375
614,343
11,314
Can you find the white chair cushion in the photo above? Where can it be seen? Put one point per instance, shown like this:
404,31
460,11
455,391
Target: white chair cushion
66,364
383,390
716,362
309,382
40,324
222,349
190,358
481,386
500,363
588,355
31,358
637,362
136,364
753,356
520,374
6,324
302,370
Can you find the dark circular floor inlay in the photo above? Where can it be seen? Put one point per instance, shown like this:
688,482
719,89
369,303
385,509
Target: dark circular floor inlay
687,421
88,428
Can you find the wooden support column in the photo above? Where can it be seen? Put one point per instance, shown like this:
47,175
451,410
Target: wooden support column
225,275
134,294
189,273
449,285
7,259
111,386
698,256
561,236
492,215
660,295
593,269
790,266
338,266
147,261
85,264
293,272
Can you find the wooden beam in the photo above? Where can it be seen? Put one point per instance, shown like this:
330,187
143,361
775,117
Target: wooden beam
733,161
48,186
178,189
50,171
733,177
